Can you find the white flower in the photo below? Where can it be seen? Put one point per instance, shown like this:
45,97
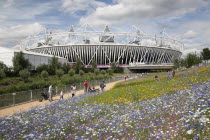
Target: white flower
190,131
204,119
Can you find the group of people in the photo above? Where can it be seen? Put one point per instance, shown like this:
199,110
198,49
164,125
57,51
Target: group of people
170,75
72,90
89,89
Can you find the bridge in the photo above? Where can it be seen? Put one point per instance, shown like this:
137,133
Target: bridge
139,66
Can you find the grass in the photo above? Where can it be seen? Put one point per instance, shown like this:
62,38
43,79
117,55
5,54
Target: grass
147,87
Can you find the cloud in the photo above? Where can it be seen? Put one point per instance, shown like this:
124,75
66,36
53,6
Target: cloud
73,7
189,34
23,12
13,35
8,3
137,10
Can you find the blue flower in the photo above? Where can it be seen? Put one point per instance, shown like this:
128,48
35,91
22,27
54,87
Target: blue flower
196,136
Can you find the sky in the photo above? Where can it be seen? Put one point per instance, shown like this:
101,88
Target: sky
187,21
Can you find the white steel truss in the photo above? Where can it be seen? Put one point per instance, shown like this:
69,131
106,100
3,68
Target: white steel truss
119,47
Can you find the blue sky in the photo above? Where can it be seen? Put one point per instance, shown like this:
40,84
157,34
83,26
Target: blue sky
186,20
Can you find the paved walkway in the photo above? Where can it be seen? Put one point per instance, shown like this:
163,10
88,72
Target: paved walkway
26,106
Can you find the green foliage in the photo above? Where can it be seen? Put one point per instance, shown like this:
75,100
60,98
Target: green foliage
54,65
94,64
24,74
2,74
41,68
78,66
81,72
109,71
103,72
205,54
71,72
44,74
59,72
113,65
96,71
192,59
176,64
65,67
20,62
116,69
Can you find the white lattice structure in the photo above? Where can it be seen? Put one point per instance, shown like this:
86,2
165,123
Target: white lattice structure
105,47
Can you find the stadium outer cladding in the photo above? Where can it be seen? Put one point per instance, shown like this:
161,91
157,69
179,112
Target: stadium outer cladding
105,54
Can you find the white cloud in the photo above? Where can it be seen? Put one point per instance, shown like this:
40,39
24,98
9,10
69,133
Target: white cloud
73,6
189,34
13,35
8,3
137,10
23,12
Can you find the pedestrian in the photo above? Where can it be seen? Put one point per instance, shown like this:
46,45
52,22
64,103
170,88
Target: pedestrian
169,76
85,86
50,92
173,73
156,78
73,90
102,86
61,95
124,77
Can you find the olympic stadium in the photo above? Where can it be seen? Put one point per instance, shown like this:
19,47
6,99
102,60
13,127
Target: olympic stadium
134,49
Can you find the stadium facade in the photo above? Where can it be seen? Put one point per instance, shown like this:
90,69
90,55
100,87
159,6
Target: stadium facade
127,49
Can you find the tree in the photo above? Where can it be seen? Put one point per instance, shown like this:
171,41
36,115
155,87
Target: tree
78,66
54,65
109,71
81,72
96,71
44,74
71,72
113,65
41,68
103,72
66,67
24,74
94,65
59,72
2,74
20,63
192,59
5,69
176,64
205,54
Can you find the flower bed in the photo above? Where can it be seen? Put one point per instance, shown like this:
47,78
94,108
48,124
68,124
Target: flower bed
183,114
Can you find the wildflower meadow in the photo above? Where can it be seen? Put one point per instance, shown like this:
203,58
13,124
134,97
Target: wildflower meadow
176,108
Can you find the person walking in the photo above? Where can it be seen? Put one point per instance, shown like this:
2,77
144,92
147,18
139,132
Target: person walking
73,90
102,86
50,92
61,95
85,86
173,73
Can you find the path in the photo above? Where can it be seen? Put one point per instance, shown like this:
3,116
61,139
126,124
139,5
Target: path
26,106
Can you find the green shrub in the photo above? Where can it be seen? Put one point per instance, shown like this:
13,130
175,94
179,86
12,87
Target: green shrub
41,68
81,72
96,71
24,74
109,71
103,72
44,74
71,72
2,74
59,73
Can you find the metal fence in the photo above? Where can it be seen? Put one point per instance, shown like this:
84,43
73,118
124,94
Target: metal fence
12,99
